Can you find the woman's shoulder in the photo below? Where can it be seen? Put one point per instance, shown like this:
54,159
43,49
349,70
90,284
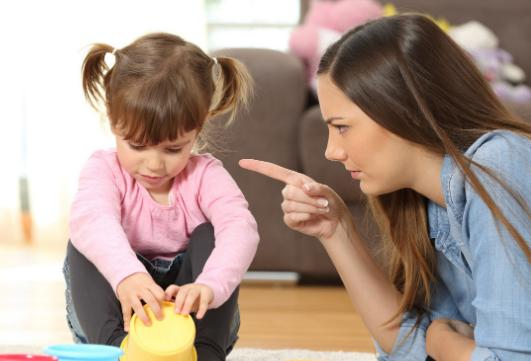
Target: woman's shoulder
505,154
499,147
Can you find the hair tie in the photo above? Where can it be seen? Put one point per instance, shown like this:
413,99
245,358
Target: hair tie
110,59
217,79
216,70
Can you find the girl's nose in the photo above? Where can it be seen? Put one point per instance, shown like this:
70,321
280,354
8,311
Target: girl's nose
154,163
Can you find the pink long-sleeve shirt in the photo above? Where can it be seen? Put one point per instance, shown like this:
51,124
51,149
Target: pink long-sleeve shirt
112,217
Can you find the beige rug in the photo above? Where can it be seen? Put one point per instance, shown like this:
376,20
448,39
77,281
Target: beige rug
252,354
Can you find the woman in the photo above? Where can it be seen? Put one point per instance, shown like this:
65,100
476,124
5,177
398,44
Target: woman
447,171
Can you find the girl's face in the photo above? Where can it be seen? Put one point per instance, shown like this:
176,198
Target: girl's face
380,160
154,167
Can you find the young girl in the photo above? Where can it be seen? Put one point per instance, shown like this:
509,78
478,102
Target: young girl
447,172
153,220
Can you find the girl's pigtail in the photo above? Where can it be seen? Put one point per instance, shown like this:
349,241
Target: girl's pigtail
94,71
233,87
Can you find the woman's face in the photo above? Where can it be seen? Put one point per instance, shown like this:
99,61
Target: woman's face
380,160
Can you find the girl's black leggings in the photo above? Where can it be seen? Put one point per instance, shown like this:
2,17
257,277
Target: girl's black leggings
99,311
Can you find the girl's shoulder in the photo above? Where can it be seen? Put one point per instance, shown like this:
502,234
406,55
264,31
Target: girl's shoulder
200,162
105,156
105,161
103,164
203,169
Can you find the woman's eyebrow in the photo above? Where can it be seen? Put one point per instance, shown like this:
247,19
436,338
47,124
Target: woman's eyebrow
331,119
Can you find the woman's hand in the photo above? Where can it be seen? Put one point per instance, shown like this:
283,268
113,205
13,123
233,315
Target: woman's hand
132,291
309,207
446,329
193,297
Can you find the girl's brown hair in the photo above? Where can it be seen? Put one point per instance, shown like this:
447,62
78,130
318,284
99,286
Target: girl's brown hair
161,86
412,79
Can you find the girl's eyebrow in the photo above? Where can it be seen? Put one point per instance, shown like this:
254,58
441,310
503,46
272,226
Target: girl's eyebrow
175,145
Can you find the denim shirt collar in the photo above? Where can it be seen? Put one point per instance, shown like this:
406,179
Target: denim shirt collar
437,217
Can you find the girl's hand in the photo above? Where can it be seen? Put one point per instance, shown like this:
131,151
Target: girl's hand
193,297
309,207
132,291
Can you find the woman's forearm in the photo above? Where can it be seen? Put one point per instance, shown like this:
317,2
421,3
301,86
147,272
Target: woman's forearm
443,343
371,292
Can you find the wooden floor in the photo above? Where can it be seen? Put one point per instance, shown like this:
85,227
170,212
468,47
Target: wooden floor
317,318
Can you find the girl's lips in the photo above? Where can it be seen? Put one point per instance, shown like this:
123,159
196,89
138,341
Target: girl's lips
151,179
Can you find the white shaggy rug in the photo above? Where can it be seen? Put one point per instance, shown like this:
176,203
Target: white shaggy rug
252,354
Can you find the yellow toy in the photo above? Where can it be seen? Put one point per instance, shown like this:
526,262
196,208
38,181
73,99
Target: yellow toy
171,339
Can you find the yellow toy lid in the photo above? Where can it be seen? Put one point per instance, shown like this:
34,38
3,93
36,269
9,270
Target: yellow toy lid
171,335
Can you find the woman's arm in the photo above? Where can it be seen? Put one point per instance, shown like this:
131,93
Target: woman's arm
499,267
372,294
450,340
316,210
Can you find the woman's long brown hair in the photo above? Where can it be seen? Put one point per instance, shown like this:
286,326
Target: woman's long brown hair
161,86
412,79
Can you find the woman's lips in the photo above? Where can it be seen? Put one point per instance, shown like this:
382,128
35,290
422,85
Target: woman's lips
355,174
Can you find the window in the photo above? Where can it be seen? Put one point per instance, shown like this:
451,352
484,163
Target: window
251,23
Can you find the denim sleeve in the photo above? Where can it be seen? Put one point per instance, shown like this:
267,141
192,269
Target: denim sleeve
410,345
499,267
413,347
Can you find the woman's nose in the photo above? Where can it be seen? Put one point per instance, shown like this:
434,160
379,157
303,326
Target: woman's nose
334,152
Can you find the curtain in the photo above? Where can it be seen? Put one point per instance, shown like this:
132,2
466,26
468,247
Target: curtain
47,128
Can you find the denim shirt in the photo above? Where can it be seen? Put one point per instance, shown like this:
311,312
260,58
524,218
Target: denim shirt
484,276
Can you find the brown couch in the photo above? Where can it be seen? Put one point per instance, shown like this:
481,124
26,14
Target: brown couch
284,126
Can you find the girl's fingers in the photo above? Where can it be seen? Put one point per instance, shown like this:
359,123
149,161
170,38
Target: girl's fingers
157,292
180,298
190,301
171,292
203,305
140,312
152,301
126,313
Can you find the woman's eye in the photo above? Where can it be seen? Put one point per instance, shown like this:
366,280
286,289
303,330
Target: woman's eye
341,128
136,146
